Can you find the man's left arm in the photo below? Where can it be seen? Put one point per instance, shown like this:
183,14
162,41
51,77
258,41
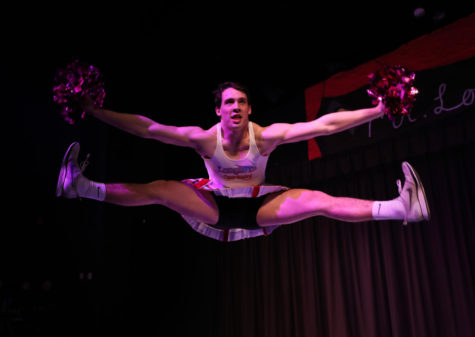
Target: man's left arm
328,124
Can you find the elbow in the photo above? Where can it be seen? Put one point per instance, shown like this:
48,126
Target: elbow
149,131
139,131
325,125
329,129
144,133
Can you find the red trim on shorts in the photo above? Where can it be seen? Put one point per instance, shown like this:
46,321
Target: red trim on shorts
226,235
201,183
255,191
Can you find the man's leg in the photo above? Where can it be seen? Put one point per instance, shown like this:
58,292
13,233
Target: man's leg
298,204
178,196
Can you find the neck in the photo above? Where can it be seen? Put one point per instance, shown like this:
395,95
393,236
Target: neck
235,135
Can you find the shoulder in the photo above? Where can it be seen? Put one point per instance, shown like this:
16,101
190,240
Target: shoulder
204,140
202,134
271,132
268,137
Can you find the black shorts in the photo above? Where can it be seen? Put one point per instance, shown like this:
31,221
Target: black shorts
238,212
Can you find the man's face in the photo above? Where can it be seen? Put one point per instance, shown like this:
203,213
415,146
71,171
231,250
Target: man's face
235,109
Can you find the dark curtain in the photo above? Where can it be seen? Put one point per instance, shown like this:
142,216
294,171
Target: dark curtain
152,275
322,277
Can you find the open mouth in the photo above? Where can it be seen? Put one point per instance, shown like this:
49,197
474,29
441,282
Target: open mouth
236,118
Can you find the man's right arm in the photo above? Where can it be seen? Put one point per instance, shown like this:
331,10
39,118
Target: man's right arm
145,127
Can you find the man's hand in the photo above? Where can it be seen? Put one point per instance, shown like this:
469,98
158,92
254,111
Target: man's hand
381,108
87,104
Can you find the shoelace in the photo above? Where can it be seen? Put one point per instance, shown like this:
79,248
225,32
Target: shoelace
399,188
82,167
84,164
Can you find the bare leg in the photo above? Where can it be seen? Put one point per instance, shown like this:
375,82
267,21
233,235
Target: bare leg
178,196
298,204
278,208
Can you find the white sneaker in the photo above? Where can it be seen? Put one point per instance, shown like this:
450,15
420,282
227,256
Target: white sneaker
70,172
413,196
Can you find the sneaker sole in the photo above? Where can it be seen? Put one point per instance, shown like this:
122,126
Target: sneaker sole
421,194
63,171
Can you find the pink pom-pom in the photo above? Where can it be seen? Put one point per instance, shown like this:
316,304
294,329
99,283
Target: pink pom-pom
71,83
394,86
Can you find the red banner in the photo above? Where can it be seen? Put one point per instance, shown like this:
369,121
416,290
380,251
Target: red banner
446,46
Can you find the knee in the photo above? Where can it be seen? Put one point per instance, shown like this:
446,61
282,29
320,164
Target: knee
309,200
319,201
156,190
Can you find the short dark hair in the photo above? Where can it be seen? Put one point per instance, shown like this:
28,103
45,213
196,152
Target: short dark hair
218,93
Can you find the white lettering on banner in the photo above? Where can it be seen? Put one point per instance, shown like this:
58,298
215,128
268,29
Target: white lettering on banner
468,98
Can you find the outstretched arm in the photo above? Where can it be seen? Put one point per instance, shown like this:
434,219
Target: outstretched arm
328,124
144,127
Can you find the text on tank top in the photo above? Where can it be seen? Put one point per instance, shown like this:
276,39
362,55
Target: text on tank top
227,172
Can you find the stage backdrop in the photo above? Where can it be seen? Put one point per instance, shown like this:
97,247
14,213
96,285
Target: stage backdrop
150,272
323,277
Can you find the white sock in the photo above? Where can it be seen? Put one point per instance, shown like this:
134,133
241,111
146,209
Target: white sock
389,210
90,189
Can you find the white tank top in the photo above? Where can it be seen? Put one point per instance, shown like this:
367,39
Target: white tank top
226,172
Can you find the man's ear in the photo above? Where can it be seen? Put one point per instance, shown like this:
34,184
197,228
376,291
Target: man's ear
250,110
218,112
